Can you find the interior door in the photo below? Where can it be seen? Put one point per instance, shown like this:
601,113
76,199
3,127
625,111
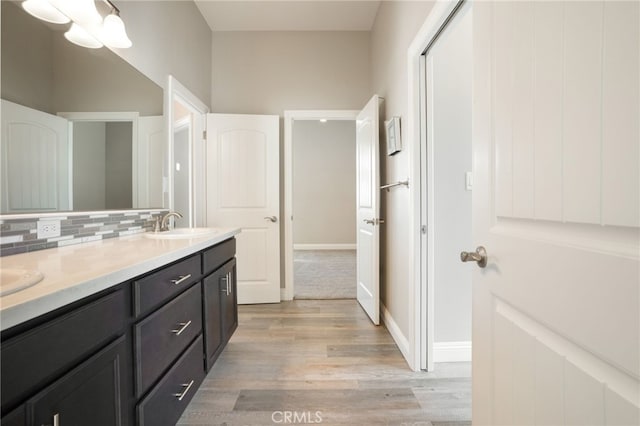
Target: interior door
368,209
36,160
243,191
556,205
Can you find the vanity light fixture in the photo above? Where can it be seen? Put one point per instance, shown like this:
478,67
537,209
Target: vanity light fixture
88,28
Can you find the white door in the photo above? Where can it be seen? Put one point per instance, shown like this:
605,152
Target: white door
368,209
36,160
150,159
243,191
556,324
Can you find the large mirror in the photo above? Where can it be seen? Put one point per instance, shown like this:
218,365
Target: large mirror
81,128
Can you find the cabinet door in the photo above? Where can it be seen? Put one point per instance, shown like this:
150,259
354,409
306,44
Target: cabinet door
91,394
229,300
213,315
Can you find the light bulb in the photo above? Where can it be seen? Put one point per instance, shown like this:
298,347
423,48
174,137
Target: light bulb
42,9
113,32
83,12
81,37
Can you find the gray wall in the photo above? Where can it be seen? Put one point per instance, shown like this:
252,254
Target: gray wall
395,27
269,72
54,75
27,67
169,37
89,153
324,182
118,156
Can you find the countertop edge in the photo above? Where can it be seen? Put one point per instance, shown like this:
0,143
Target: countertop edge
19,313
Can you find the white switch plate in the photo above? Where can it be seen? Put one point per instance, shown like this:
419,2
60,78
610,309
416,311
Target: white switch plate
468,181
48,228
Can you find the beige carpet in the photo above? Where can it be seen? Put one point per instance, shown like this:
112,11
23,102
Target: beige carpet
324,274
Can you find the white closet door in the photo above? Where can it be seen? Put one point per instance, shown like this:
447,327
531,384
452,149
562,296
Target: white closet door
35,160
556,330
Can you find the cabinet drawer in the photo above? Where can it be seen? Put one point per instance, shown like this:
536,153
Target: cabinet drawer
163,335
35,358
155,288
166,402
216,256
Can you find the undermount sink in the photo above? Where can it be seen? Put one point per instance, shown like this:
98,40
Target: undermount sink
182,233
13,280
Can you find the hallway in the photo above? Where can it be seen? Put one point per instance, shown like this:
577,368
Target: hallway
324,362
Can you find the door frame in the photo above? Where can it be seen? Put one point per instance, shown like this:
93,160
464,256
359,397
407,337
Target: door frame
175,91
290,116
118,116
421,311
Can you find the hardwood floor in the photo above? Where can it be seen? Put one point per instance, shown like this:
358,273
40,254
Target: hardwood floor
323,362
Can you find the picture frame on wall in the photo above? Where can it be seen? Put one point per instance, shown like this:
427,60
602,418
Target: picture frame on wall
394,143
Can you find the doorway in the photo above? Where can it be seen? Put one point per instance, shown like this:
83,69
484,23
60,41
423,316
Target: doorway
324,208
320,200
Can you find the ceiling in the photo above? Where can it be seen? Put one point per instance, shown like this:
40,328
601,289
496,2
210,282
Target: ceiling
291,15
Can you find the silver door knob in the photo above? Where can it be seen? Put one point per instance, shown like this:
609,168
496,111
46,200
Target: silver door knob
272,219
479,256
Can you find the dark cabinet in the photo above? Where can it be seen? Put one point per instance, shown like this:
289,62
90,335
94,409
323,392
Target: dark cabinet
220,310
90,394
164,335
132,354
168,399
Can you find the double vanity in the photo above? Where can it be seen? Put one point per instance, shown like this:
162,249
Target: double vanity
117,332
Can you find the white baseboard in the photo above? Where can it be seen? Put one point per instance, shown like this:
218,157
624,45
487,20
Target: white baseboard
284,294
452,352
394,330
324,246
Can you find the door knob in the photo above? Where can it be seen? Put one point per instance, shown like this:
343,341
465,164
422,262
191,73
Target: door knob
273,219
479,256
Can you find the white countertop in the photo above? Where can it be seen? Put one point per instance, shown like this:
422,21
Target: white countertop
74,272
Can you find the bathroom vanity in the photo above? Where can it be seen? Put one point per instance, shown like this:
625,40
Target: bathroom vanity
131,352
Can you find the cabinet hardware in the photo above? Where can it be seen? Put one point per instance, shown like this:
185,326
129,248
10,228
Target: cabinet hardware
225,290
230,283
183,327
181,279
184,392
56,419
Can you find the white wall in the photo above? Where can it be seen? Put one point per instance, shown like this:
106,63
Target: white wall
169,37
324,182
395,27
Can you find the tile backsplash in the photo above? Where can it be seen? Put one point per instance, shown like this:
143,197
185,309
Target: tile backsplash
19,234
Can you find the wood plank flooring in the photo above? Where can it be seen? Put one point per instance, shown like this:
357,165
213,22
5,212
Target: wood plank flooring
323,362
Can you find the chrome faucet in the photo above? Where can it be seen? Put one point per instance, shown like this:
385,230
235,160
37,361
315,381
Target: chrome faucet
165,220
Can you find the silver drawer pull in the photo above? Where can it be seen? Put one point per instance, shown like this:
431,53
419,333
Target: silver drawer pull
181,278
183,326
184,392
56,419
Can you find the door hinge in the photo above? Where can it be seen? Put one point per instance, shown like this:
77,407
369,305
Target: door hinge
423,229
204,135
